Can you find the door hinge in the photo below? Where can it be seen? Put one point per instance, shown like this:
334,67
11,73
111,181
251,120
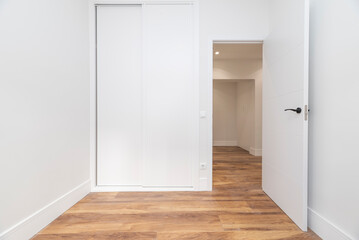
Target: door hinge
306,112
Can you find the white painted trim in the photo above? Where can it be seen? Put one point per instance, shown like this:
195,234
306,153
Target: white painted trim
255,151
209,131
31,225
225,143
203,184
324,228
93,94
306,102
196,168
93,90
141,189
117,2
236,42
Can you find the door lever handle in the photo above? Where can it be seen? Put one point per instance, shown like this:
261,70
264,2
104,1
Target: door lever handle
298,110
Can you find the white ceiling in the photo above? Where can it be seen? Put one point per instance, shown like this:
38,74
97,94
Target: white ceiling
237,51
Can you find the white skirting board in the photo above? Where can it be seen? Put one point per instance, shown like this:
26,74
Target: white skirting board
203,184
31,225
225,143
324,228
255,152
140,189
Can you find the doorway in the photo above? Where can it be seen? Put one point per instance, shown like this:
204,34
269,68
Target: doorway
237,105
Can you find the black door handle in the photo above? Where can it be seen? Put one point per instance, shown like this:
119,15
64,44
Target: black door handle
298,110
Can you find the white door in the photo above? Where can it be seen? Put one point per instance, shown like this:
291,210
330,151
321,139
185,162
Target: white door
285,86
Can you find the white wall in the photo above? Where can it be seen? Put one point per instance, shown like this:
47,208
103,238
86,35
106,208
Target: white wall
246,114
225,113
334,118
44,99
233,113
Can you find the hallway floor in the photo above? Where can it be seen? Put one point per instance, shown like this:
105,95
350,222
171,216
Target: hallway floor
236,209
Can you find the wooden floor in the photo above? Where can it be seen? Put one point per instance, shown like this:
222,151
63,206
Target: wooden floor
236,209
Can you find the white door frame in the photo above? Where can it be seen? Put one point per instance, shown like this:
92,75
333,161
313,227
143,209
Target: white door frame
212,41
93,90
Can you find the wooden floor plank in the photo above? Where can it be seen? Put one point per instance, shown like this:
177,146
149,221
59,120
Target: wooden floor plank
239,235
237,208
100,235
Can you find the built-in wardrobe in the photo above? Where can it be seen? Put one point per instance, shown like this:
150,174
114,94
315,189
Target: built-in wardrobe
147,90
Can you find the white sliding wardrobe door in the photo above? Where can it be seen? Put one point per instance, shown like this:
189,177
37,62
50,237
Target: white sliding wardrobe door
170,116
119,94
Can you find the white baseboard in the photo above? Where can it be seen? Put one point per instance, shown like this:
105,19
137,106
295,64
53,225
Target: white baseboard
31,225
103,188
255,152
203,184
324,228
225,143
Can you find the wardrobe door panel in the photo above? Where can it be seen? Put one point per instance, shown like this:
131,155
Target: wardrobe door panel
119,95
169,96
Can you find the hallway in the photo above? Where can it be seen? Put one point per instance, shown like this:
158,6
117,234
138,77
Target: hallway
236,209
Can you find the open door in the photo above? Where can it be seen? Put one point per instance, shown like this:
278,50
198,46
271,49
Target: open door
285,86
